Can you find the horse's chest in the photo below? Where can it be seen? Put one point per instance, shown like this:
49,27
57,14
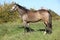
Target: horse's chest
24,17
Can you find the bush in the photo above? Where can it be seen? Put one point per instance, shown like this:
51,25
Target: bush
5,15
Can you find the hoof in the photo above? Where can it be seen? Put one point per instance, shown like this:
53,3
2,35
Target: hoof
45,33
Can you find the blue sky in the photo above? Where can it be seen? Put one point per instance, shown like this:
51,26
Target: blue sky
37,4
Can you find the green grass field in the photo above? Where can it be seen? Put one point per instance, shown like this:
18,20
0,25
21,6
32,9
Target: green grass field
13,31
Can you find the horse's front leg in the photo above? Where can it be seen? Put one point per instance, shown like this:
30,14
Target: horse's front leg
26,26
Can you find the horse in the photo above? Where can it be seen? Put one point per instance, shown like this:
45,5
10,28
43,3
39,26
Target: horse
29,16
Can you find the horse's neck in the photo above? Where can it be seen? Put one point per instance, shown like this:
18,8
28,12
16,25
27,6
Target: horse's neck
21,11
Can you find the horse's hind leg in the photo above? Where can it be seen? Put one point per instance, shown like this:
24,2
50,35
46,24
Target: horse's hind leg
48,27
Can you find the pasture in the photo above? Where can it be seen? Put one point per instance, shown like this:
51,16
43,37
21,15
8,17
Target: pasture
13,31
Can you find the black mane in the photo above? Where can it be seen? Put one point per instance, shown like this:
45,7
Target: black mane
23,8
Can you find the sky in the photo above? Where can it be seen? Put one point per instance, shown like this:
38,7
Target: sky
37,4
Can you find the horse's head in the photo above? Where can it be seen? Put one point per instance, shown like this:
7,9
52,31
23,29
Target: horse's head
14,7
19,8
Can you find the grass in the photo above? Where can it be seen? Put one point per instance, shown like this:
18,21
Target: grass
13,31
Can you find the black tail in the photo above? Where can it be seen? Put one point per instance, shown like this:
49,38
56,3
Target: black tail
50,19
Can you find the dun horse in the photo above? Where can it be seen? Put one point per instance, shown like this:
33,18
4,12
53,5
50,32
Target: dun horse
34,16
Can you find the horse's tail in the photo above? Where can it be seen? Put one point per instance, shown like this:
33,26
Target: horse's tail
50,19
